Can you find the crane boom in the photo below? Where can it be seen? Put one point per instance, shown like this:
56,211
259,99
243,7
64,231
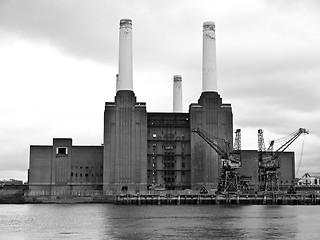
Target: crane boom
269,164
229,180
227,158
211,142
271,159
293,136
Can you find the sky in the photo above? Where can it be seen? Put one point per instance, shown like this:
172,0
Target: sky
59,60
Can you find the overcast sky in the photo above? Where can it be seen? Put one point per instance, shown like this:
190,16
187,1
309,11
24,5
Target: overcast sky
59,60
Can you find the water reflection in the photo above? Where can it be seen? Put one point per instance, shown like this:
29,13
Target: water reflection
101,221
269,222
205,222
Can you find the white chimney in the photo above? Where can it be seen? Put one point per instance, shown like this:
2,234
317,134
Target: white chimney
177,93
125,56
209,69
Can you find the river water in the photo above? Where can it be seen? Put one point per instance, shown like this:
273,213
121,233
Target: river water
107,221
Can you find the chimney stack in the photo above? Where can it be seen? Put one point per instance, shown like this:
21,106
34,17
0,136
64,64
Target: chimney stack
177,93
125,81
209,72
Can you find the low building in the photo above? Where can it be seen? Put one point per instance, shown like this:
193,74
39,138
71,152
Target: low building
11,182
309,179
65,169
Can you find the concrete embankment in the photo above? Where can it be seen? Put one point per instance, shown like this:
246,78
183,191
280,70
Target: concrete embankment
19,196
70,199
197,199
12,196
22,197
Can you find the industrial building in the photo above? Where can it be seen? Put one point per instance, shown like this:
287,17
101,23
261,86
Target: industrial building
145,150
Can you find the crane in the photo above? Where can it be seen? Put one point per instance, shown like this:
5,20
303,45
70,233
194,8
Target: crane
269,160
230,161
261,146
237,140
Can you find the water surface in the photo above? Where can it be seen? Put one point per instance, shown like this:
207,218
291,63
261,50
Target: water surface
107,221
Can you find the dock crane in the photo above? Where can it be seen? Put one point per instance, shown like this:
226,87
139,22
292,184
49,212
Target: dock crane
269,160
230,161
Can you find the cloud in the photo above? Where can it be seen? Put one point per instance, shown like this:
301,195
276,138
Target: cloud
77,27
59,61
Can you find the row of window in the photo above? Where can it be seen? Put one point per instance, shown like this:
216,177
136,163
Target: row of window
172,122
166,158
169,180
87,167
168,164
309,182
168,135
167,146
183,155
168,173
85,175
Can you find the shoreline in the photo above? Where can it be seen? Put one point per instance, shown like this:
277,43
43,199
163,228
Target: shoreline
268,198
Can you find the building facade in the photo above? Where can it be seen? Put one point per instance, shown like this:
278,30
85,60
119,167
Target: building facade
63,168
144,150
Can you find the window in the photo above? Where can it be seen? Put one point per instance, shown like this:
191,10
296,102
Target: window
62,151
154,135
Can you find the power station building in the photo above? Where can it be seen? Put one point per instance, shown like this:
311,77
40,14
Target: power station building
145,149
